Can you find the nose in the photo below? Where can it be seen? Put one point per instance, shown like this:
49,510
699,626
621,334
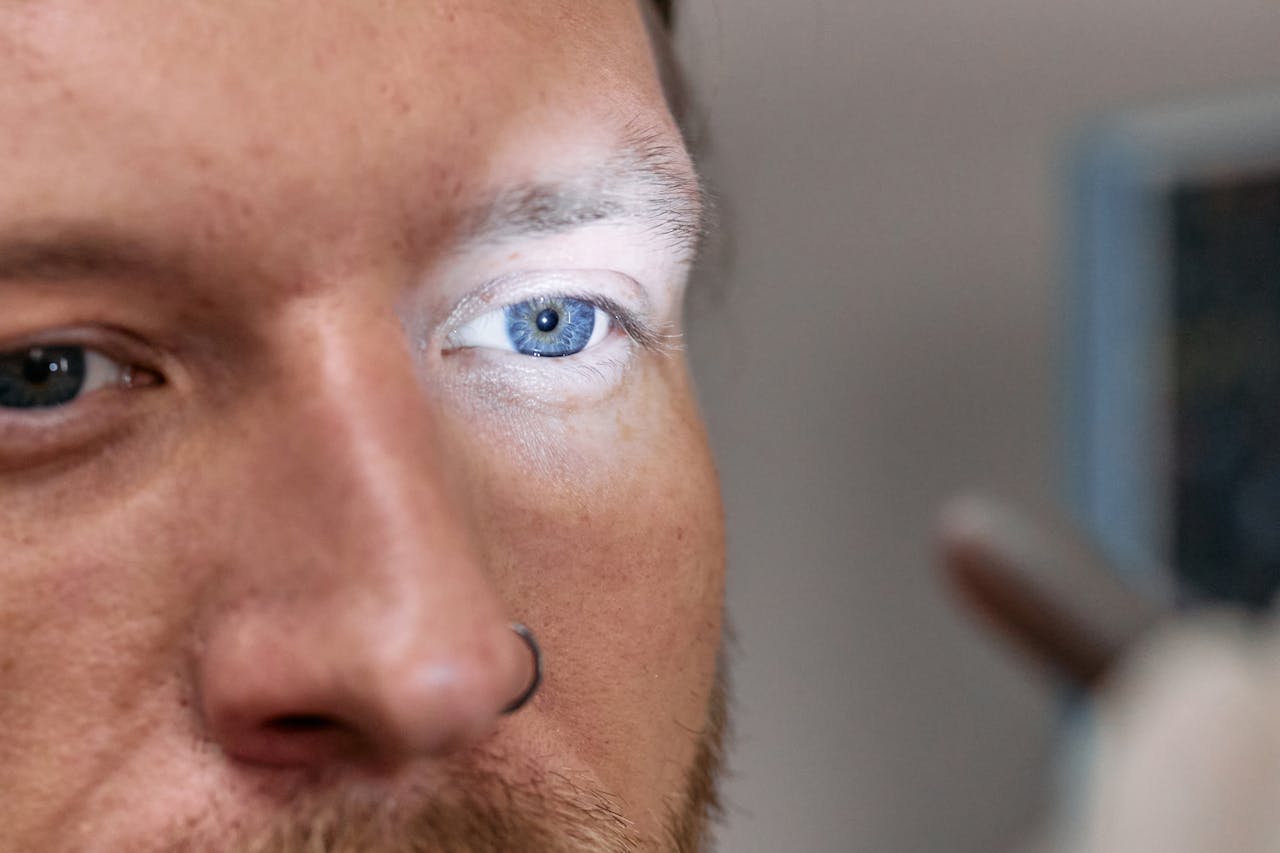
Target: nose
352,620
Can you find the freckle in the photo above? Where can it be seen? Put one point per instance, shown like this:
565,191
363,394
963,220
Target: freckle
625,431
261,151
679,534
203,162
399,102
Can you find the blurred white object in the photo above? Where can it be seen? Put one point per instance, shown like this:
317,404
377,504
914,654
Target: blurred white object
1188,745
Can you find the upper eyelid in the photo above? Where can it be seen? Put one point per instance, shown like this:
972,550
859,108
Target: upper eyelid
115,343
513,288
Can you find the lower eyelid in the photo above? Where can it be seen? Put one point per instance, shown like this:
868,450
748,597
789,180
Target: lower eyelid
64,434
503,380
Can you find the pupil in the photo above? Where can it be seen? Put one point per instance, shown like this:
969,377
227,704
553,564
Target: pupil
37,368
548,319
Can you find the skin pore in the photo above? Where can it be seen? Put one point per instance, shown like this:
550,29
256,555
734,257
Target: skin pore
259,571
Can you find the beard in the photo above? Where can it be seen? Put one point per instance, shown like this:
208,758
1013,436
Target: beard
487,813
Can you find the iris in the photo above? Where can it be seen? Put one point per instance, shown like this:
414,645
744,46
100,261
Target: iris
550,326
41,377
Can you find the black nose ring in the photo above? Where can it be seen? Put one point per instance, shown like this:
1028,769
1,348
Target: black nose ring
522,631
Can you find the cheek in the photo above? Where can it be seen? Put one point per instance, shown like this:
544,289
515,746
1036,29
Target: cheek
613,553
89,667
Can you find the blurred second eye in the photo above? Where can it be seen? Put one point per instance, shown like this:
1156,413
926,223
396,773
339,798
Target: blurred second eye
546,326
45,377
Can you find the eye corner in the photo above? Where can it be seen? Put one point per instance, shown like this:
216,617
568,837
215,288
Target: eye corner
648,336
137,378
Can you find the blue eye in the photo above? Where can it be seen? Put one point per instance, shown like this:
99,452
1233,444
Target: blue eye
45,377
550,327
545,327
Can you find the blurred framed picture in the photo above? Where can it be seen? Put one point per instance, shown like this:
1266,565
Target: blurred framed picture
1173,455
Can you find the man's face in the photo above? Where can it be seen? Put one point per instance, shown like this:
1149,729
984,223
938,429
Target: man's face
333,338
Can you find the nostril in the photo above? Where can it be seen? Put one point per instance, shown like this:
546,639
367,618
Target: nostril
301,724
295,740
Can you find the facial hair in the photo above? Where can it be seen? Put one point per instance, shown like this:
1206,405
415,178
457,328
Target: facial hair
486,813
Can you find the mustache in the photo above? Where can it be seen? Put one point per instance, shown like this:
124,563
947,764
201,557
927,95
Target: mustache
477,809
484,813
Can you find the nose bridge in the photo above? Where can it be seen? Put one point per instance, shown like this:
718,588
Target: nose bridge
363,444
356,598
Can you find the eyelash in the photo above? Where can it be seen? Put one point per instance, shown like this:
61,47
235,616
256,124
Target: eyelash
636,329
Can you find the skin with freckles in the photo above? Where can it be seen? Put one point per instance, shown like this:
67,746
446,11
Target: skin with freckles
259,568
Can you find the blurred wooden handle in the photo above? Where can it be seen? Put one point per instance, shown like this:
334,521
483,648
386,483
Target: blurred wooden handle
1043,586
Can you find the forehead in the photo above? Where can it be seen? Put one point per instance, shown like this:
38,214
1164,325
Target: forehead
292,110
179,55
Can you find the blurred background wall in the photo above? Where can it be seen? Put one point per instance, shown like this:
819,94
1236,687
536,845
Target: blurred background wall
880,328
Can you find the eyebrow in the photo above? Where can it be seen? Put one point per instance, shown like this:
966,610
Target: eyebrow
82,249
648,182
